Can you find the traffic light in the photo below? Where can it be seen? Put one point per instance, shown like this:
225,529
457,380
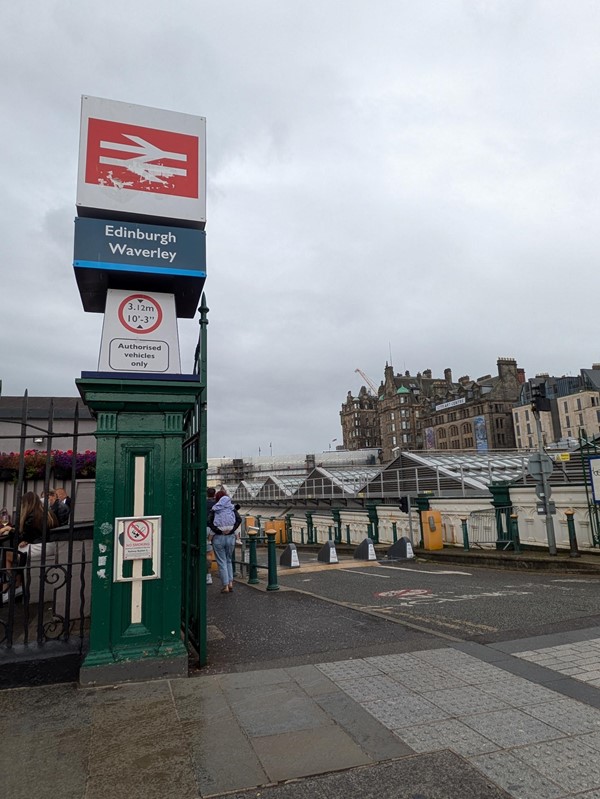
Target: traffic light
404,504
539,401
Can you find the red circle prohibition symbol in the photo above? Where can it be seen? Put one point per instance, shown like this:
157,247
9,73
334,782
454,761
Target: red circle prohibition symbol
131,298
138,530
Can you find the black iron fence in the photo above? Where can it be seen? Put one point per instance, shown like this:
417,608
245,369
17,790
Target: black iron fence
44,602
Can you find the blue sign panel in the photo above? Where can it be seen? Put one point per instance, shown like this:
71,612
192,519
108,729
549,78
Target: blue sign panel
132,247
481,439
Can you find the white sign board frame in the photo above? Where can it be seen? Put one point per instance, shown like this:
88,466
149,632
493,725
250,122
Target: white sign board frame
132,159
122,525
594,465
139,333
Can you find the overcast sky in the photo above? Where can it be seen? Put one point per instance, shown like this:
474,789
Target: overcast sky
414,178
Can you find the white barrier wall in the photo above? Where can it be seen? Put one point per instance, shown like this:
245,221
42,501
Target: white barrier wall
532,528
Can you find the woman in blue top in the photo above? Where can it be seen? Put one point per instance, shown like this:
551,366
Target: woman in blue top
223,521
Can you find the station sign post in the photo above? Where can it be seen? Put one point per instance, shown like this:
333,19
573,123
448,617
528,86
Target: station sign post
140,260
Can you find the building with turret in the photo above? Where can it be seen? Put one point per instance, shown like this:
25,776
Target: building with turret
474,414
416,412
360,421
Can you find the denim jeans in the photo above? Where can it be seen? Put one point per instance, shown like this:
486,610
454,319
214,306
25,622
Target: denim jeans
224,547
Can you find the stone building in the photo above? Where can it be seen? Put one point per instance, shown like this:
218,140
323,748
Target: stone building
400,407
574,405
416,412
360,422
473,414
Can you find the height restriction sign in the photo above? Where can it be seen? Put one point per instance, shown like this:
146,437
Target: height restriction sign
139,333
140,313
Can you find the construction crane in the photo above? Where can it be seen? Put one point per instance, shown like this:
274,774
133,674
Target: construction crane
368,381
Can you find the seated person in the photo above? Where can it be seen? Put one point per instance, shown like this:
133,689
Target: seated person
58,506
29,536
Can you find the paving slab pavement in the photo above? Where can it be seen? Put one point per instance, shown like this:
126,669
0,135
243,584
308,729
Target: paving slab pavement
338,706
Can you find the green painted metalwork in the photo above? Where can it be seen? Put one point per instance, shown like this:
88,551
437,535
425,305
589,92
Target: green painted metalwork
588,447
252,565
348,534
371,508
137,418
503,507
422,501
309,528
271,562
574,549
194,557
465,533
330,533
514,532
337,518
289,538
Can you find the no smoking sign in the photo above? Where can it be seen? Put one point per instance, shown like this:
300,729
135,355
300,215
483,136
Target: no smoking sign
137,539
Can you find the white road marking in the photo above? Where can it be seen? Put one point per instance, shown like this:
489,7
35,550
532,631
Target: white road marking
421,571
367,574
574,580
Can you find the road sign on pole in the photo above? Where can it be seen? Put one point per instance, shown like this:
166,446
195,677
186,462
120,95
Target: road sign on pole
540,464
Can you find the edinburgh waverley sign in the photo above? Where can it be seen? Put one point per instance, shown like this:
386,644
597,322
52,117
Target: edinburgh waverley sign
130,247
140,162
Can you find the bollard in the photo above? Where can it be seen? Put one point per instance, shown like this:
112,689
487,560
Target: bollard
514,532
574,549
348,534
271,561
289,531
302,536
309,528
465,532
252,570
337,518
395,532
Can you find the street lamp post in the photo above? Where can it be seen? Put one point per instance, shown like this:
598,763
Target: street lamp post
539,402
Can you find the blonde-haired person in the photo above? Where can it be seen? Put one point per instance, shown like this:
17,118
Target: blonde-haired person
30,536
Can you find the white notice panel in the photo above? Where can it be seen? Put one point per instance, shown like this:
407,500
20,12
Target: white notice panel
139,333
595,477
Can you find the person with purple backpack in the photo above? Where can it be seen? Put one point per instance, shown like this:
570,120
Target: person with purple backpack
223,521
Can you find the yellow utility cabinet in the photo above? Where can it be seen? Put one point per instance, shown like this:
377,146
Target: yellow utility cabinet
277,526
432,529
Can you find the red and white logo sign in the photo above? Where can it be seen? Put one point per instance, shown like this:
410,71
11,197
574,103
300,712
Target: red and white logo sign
126,156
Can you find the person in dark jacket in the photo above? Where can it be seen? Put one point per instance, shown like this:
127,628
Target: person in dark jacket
32,526
58,506
223,521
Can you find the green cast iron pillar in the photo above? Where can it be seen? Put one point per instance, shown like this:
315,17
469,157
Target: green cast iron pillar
135,631
337,518
422,503
502,504
309,528
373,520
